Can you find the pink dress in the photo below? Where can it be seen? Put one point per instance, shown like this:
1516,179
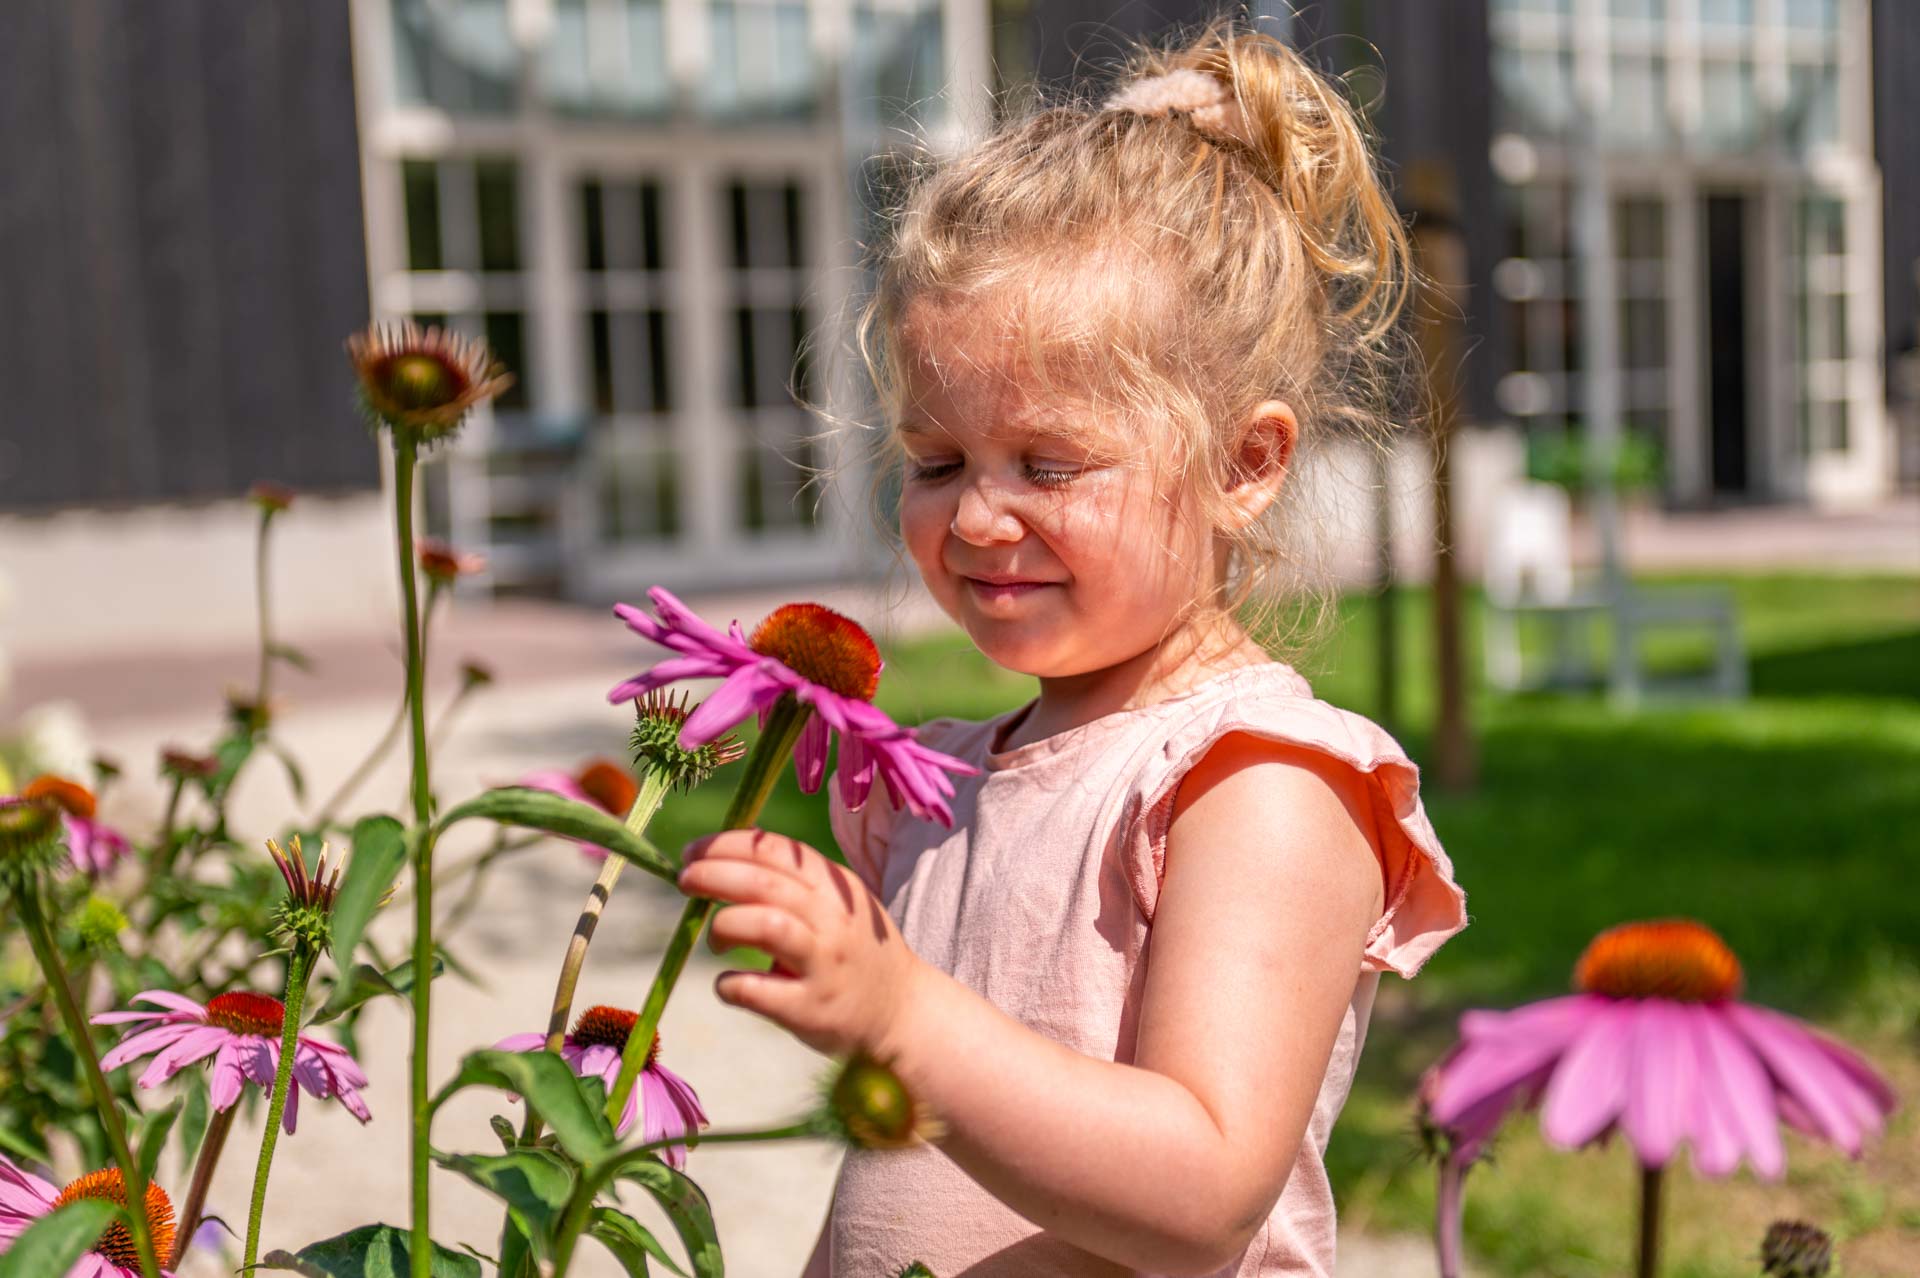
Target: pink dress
1041,900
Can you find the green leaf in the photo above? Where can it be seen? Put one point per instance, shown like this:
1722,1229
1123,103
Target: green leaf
23,1148
152,1138
516,1253
686,1206
534,1183
367,982
379,850
550,1089
193,1117
629,1241
57,1239
371,1251
539,810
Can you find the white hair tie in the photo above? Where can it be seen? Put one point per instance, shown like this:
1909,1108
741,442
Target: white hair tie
1205,100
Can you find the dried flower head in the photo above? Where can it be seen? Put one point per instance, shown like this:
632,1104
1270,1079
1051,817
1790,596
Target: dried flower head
656,742
247,713
443,564
185,765
271,498
106,770
868,1106
475,674
1795,1249
306,917
423,382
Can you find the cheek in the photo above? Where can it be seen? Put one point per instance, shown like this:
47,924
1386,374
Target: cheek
924,519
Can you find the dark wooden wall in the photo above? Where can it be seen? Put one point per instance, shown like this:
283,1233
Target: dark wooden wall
181,250
1896,129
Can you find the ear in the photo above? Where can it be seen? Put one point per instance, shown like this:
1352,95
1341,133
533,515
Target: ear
1262,456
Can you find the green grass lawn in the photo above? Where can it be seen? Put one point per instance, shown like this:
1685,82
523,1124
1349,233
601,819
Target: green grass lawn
1790,823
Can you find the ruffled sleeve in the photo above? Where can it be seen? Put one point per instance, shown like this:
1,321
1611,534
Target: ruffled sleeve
1424,905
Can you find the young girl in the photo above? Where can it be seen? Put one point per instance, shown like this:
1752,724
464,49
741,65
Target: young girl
1133,979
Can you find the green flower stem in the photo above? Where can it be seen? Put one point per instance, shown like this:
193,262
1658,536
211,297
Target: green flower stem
358,777
40,938
299,968
764,763
595,1179
420,1249
1651,1179
211,1147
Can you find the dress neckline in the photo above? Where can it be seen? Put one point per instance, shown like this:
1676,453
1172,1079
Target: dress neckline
998,759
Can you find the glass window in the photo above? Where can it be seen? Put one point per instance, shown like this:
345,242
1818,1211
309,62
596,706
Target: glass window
761,59
897,68
1729,111
608,59
506,337
456,56
1814,15
1726,13
1820,323
1637,112
420,184
497,199
1536,89
1637,10
1811,117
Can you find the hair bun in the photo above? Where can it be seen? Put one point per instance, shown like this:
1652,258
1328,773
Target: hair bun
1203,98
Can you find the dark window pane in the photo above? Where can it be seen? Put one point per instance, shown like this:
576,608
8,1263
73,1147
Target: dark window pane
652,250
744,390
498,200
737,207
421,183
657,359
666,494
753,506
593,230
795,226
802,354
602,342
430,319
506,335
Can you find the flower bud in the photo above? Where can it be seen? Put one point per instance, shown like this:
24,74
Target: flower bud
868,1106
271,498
1795,1249
97,925
656,747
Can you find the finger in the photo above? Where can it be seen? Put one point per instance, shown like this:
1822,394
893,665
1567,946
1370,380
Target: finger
778,998
787,939
745,882
764,847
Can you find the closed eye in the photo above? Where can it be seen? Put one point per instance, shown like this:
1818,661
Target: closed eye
1038,476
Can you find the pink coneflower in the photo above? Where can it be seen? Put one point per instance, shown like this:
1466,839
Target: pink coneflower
601,783
1656,1046
95,846
823,660
445,565
241,1031
593,1048
25,1198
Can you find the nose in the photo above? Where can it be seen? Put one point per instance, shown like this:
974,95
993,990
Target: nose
983,516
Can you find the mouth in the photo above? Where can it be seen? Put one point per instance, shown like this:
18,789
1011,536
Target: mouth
1000,589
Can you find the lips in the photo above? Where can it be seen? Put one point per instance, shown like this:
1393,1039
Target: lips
992,590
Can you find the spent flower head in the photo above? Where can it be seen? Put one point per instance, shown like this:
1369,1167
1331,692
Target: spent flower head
306,916
247,713
867,1106
443,564
1795,1249
184,765
475,674
272,499
423,382
655,744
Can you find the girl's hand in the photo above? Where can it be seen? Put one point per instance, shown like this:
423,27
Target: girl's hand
841,971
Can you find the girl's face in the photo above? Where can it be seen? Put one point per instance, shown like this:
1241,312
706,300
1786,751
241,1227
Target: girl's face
1056,558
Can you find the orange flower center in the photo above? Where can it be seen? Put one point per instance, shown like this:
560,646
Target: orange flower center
821,646
1675,959
610,1027
71,796
417,379
116,1243
610,785
245,1012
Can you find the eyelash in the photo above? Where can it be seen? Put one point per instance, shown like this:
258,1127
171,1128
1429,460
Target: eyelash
1038,476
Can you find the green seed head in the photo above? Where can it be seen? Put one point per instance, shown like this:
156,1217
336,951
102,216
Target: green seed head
656,744
97,924
869,1107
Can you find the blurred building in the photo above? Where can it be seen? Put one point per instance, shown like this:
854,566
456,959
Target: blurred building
652,209
1745,174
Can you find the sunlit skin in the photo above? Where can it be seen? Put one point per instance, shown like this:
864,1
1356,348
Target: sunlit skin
1271,884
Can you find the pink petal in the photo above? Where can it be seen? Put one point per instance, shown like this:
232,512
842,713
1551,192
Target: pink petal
1490,1065
1746,1093
292,1110
1590,1085
556,782
223,1088
141,1042
173,1002
1804,1070
663,1117
855,773
339,1062
594,1059
197,1043
93,1265
742,692
1664,1077
810,753
22,1193
521,1043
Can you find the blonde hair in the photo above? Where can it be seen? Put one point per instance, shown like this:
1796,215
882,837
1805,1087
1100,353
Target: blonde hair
1245,250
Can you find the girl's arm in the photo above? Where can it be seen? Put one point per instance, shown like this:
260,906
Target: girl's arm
1171,1163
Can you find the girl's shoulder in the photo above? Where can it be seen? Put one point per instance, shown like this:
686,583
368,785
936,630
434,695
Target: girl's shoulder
1425,905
